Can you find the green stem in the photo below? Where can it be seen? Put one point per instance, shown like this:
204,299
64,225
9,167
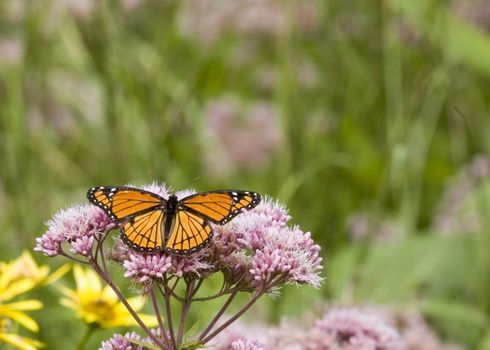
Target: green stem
86,337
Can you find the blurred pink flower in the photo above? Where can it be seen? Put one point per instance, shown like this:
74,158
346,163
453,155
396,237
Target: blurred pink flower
208,20
354,329
65,98
246,344
364,226
458,210
338,329
239,137
475,11
415,331
132,5
11,51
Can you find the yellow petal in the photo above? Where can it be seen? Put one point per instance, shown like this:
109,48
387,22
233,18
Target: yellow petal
136,303
22,319
87,281
68,292
70,304
58,274
109,295
23,305
149,320
16,288
79,275
20,342
94,281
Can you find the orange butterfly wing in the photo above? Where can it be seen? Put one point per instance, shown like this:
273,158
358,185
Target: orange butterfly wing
219,207
145,232
191,230
121,202
189,234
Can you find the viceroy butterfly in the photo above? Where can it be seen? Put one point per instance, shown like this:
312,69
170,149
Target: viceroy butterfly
151,223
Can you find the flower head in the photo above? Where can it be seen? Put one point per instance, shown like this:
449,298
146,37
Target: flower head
231,126
12,284
246,344
122,342
100,306
78,225
25,268
343,329
354,329
255,18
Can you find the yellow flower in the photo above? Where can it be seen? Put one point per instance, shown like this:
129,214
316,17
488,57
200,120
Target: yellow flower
101,306
11,285
24,267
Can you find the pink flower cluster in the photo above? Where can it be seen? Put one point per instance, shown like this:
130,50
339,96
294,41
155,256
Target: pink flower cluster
257,252
246,344
122,342
209,20
77,226
354,329
230,125
339,329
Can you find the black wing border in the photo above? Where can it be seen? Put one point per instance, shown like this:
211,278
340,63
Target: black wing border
114,189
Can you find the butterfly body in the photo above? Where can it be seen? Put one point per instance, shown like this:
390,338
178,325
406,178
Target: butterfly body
170,211
150,223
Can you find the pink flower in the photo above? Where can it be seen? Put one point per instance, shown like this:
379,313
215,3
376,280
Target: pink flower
342,329
238,136
354,329
143,268
208,20
82,245
119,342
246,344
78,226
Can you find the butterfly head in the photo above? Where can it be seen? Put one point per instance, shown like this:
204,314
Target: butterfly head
172,201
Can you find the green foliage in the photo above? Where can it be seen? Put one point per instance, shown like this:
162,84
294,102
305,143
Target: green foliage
398,104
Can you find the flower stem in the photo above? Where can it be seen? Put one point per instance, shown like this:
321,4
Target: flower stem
121,297
86,337
159,316
218,315
80,261
217,295
233,318
101,249
168,310
185,309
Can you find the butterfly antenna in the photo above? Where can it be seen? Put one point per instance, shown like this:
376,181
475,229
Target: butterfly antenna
152,176
190,184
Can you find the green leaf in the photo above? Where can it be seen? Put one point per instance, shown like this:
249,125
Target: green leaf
462,321
142,343
485,342
461,41
431,264
196,344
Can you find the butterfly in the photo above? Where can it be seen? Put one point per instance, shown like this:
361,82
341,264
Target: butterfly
150,223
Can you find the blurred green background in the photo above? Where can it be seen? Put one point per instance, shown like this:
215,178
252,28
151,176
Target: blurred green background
369,119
